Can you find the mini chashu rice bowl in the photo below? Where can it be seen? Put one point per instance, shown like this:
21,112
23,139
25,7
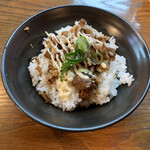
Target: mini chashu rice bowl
79,87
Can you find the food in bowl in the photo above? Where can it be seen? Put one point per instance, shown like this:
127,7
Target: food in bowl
78,67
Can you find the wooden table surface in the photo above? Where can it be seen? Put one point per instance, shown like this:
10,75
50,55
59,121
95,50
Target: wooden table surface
18,132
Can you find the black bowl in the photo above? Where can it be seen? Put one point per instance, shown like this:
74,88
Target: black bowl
17,55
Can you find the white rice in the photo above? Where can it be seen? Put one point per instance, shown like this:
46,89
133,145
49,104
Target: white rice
64,95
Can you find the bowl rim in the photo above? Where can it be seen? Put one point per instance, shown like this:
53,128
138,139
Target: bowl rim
4,74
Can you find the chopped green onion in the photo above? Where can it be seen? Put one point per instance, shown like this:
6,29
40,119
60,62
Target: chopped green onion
95,55
83,70
76,57
65,65
76,46
83,43
71,57
65,70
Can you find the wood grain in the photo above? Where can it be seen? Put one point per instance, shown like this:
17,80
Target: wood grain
18,132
